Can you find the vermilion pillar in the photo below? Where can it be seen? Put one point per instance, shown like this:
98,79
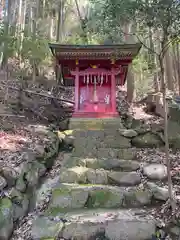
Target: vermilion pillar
77,89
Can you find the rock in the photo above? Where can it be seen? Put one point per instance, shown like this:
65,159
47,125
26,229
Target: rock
105,197
6,218
155,171
20,204
29,156
63,125
147,140
116,142
129,133
3,183
110,164
175,231
10,175
114,225
83,175
67,137
44,228
20,184
97,176
127,154
39,149
73,175
137,197
73,196
125,178
159,193
67,197
33,171
174,134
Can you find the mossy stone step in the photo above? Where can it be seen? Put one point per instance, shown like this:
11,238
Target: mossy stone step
85,175
131,224
95,123
73,196
123,153
105,163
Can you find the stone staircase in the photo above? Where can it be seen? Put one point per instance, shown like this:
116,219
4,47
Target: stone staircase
103,192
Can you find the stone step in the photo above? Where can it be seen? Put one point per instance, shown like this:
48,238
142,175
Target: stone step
123,153
114,164
95,123
131,224
83,175
74,196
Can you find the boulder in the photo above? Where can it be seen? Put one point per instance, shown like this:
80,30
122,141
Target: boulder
20,203
6,218
63,125
137,197
67,137
124,178
44,228
83,175
10,175
110,164
147,140
159,193
129,133
20,184
3,183
98,176
33,171
174,134
155,171
105,197
64,198
73,175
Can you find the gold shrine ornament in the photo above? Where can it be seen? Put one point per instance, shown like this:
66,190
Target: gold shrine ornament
113,61
93,66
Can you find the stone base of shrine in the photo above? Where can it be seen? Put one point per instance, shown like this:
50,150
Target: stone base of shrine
95,123
100,115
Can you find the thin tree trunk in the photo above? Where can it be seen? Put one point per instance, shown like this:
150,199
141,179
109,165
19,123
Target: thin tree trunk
163,86
168,71
83,24
130,75
152,60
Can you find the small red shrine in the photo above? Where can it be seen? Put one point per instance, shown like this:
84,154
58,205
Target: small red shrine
95,71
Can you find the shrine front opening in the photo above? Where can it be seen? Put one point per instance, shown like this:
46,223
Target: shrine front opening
94,71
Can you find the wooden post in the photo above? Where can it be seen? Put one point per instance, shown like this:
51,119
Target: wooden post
113,91
77,89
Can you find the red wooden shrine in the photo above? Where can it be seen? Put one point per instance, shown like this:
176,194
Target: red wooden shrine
95,71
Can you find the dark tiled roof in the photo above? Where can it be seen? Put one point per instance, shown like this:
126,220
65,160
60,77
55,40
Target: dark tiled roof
121,51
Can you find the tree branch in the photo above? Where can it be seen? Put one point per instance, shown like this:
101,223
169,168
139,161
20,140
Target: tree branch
39,94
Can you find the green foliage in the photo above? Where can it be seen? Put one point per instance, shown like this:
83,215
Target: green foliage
34,49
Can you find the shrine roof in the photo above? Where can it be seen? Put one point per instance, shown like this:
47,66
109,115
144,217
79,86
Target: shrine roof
119,51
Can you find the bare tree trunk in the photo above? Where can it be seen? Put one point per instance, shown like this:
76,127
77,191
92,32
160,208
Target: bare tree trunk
130,85
163,86
83,23
153,62
130,75
168,71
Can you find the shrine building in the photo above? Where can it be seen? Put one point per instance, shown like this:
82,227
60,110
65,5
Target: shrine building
94,71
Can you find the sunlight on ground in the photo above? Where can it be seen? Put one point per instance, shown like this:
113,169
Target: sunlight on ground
12,142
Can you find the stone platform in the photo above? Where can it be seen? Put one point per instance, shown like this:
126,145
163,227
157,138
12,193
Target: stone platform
95,123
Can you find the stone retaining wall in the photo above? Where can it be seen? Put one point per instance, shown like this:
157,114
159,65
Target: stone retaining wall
18,185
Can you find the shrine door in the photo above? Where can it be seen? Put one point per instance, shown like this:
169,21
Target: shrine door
95,94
